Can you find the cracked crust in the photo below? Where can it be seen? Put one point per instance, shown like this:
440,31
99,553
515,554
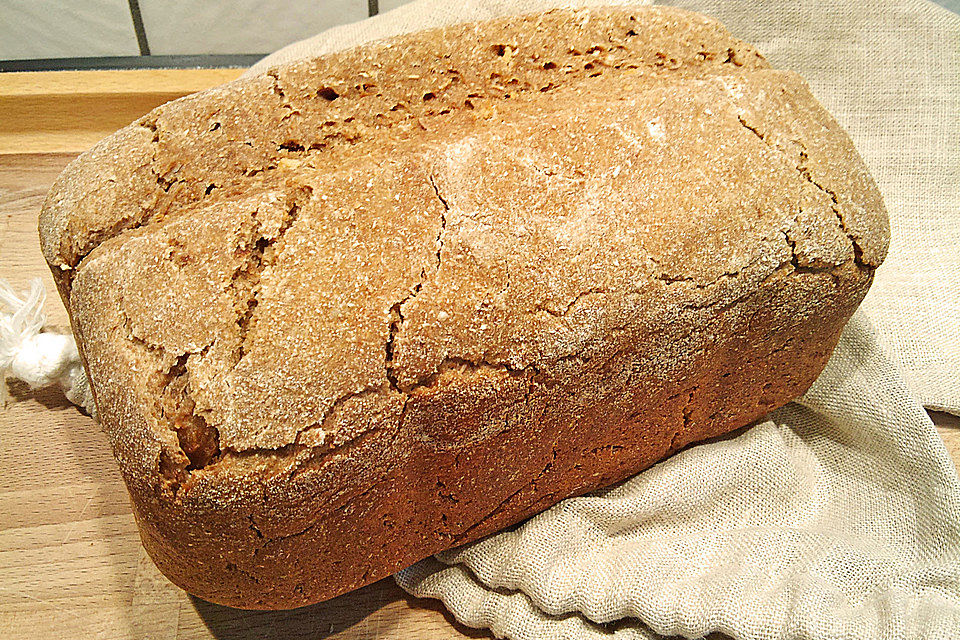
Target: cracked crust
362,308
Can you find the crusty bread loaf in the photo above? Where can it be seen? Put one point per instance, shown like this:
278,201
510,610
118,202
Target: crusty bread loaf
362,308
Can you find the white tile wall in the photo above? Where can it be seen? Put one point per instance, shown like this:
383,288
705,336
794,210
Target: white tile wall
240,26
953,5
81,28
386,5
65,29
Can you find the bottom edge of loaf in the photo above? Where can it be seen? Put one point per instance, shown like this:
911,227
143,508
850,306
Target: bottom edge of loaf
300,543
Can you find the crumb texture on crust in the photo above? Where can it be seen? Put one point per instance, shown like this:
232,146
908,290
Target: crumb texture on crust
315,281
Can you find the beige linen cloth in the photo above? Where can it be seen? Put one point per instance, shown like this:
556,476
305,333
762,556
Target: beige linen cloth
838,516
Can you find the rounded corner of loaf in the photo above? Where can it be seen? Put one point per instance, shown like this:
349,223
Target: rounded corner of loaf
97,195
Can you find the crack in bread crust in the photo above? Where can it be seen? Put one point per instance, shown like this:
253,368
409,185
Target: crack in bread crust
563,68
804,172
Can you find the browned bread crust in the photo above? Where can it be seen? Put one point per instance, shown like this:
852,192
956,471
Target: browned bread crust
362,308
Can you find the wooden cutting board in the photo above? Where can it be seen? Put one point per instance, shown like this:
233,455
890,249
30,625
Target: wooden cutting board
71,564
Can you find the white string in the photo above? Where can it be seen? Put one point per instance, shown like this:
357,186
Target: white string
39,358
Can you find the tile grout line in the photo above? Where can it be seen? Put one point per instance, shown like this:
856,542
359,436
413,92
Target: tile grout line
138,27
202,61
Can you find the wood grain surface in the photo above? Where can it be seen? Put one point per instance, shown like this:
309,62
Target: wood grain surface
64,111
71,563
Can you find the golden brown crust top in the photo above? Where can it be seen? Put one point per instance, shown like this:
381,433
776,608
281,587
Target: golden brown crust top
286,260
378,89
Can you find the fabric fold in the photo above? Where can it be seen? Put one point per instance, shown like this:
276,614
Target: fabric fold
837,517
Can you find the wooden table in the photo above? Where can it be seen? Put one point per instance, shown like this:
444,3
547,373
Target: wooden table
71,564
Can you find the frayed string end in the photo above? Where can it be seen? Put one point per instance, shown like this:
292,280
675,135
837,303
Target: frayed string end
38,357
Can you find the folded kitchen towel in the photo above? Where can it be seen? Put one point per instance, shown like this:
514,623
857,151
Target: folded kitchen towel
836,517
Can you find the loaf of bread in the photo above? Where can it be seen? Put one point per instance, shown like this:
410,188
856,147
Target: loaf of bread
366,307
